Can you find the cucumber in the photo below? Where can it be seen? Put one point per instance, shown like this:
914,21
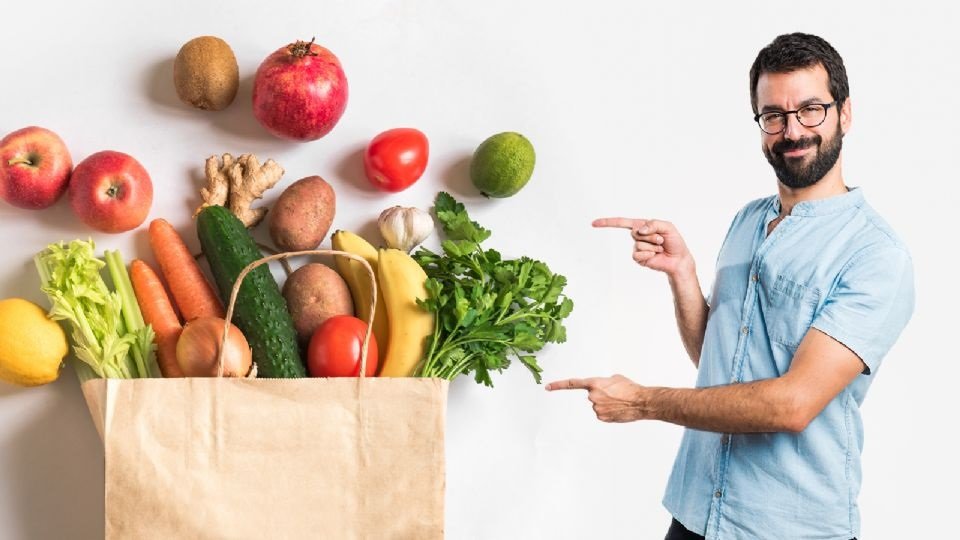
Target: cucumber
260,311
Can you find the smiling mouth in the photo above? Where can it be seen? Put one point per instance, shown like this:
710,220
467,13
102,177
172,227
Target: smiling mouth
796,152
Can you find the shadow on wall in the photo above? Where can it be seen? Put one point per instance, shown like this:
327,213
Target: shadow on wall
55,469
455,175
349,173
236,120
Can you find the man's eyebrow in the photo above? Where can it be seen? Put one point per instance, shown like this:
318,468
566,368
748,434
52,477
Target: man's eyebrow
804,103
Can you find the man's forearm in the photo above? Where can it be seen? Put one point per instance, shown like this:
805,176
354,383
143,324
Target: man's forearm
691,311
759,406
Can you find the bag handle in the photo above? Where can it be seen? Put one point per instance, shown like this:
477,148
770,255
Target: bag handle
283,256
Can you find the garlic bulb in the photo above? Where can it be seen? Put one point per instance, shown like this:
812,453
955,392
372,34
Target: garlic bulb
405,228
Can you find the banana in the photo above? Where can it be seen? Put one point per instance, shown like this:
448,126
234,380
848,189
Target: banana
402,281
360,287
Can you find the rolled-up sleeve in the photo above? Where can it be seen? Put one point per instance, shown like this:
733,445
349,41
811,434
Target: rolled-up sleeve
870,304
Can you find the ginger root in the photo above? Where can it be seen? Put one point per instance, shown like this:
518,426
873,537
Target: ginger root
237,182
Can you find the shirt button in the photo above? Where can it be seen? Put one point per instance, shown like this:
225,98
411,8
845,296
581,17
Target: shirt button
725,438
754,278
744,330
717,494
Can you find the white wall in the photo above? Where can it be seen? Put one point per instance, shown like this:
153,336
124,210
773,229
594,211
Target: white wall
636,110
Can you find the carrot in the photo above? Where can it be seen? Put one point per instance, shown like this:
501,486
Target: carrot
158,313
191,291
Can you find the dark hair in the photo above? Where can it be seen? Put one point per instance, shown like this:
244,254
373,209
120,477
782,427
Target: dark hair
790,52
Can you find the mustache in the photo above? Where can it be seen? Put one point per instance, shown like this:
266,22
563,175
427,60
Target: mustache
787,145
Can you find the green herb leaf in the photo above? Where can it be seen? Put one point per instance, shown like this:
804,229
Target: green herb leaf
557,333
455,221
525,338
530,362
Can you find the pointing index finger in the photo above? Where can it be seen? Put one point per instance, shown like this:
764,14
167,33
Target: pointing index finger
570,384
618,222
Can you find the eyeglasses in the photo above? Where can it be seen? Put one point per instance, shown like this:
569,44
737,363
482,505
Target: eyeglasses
775,122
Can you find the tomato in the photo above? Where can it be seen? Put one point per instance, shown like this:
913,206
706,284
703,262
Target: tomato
396,158
335,345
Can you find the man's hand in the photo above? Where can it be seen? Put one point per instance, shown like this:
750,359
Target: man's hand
615,399
657,244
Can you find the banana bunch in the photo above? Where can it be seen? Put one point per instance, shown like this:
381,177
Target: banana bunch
399,324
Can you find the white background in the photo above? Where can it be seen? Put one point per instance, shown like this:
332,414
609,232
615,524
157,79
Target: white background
634,110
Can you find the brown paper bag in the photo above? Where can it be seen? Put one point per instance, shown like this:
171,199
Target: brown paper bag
349,458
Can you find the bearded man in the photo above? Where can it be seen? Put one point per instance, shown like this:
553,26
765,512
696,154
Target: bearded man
812,289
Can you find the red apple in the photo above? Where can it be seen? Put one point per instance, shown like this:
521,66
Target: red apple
35,168
300,92
111,192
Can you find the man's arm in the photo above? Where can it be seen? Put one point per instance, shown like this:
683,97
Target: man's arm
690,309
822,367
659,246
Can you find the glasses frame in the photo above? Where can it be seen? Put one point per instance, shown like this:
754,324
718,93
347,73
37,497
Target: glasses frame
796,114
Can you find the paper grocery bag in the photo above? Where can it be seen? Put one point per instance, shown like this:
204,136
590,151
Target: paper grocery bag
221,458
272,458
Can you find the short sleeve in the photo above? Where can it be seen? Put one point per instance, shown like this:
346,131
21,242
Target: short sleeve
870,304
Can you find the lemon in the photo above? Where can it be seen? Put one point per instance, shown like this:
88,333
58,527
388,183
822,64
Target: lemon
502,164
31,345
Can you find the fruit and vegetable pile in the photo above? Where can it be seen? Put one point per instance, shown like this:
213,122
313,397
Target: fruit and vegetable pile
466,309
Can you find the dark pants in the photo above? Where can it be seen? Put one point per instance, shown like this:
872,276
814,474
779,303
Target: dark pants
679,532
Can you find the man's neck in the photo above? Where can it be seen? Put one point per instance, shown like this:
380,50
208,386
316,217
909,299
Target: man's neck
830,185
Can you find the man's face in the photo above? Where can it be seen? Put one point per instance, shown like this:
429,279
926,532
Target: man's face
801,155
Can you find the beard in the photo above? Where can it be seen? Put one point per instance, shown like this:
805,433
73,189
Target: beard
792,172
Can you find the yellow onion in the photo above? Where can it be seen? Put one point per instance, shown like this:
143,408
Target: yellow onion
199,344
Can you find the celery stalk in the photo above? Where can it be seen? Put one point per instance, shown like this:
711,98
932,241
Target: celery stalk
70,277
142,349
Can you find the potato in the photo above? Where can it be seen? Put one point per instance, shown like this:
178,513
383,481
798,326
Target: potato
205,73
314,293
303,214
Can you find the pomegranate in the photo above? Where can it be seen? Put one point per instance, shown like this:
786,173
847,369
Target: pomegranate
300,92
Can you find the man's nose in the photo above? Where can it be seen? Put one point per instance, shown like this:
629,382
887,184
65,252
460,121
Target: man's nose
793,129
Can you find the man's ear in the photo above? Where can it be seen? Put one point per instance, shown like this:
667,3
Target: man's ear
846,116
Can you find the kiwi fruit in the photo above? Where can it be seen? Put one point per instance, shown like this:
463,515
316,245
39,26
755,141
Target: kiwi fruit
205,73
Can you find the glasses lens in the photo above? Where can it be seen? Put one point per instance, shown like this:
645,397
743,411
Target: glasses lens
812,115
772,122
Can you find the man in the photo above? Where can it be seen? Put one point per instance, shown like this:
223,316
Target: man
811,291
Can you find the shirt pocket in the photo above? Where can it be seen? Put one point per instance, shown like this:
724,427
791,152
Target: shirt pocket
791,307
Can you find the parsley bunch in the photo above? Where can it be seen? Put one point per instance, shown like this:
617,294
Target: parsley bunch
487,309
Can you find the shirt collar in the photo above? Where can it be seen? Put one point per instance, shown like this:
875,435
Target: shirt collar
831,205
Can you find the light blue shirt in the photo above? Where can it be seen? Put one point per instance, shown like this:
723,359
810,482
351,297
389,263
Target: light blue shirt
834,265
